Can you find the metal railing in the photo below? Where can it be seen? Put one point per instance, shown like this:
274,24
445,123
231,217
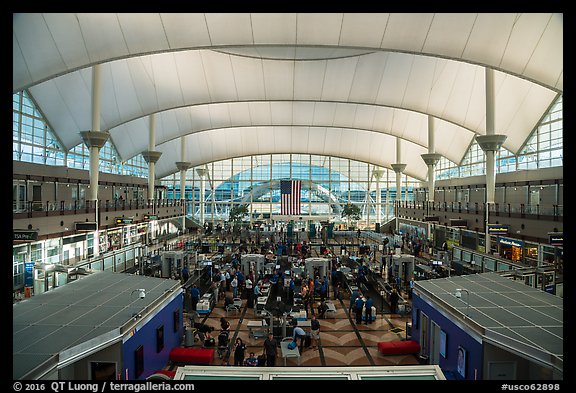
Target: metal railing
496,209
34,208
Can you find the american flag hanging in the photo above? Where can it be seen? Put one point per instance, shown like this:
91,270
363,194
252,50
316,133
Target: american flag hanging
290,196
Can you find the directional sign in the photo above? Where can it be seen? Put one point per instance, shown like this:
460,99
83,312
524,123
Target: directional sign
28,236
150,216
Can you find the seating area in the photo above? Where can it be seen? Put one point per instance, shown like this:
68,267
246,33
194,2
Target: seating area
192,355
399,347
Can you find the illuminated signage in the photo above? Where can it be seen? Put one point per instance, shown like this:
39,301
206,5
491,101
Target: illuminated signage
150,216
124,220
510,242
556,239
497,229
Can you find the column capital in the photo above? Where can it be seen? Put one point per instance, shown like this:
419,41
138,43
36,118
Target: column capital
398,168
94,138
183,165
151,156
378,173
431,158
201,172
491,142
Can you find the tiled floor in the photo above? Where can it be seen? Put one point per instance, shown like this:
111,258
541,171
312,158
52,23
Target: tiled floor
342,343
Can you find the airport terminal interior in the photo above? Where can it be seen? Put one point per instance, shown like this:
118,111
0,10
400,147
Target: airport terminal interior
287,196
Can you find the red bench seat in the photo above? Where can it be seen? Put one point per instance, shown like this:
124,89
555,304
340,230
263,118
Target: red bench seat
192,355
398,347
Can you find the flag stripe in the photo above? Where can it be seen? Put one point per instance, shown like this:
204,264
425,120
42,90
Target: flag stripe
290,197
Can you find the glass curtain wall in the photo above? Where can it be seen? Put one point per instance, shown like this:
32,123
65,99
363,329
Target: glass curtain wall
328,184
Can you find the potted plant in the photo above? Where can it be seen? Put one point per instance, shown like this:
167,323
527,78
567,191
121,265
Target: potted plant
351,212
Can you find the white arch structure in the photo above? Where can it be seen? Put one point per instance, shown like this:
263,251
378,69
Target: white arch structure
344,85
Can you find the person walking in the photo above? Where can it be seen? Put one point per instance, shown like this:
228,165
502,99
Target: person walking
239,352
315,331
270,350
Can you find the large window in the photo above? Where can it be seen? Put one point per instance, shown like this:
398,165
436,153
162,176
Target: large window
543,149
328,183
34,141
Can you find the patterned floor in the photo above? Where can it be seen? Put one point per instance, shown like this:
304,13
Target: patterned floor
342,342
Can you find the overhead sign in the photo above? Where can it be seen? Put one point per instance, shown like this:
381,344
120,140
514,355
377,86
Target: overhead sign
511,242
497,229
150,216
124,220
431,218
556,238
27,236
86,226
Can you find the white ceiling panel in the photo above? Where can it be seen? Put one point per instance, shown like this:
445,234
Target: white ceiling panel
302,113
219,76
393,83
550,45
363,29
338,80
364,117
67,36
407,31
248,78
142,31
485,41
451,27
261,112
240,113
191,76
102,36
219,116
224,28
310,79
274,28
319,29
324,113
279,79
184,30
367,77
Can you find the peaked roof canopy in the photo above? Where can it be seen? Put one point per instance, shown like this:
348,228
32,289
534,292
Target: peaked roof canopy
344,85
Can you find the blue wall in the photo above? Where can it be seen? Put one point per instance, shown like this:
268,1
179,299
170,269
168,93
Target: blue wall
455,337
146,336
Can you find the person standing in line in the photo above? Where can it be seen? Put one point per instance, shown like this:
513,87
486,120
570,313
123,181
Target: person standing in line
315,330
358,306
394,297
234,285
355,295
239,352
270,350
195,296
368,307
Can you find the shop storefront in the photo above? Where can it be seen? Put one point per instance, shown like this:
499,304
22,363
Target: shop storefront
510,248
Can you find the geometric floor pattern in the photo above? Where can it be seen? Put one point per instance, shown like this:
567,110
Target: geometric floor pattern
342,342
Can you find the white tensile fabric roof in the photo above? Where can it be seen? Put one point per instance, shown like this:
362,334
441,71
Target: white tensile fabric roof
344,85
